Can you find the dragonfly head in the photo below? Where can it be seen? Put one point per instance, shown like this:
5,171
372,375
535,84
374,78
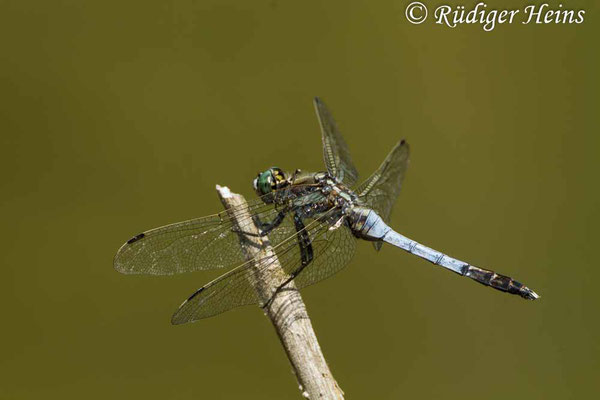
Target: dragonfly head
269,180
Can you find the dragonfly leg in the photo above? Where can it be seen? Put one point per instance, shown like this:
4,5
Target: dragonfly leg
294,175
266,227
306,255
306,250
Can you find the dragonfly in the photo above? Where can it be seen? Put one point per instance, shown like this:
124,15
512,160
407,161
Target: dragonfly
312,221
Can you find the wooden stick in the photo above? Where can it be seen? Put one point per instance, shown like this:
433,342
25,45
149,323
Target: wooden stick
286,309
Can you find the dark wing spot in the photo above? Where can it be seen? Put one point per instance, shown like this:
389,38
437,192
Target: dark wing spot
136,238
196,293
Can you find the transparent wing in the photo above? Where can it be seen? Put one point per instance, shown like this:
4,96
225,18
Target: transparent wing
380,191
332,249
198,244
335,150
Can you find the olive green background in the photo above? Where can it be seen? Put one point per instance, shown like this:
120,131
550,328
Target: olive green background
117,117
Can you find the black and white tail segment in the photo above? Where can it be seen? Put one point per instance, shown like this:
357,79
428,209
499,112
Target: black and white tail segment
483,276
366,224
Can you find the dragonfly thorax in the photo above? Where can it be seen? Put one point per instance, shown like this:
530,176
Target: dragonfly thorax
307,193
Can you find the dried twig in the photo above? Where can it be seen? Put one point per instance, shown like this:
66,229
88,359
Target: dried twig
286,309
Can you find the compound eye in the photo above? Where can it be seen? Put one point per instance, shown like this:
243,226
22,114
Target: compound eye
263,183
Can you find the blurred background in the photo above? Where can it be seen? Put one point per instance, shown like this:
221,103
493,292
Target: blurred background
117,117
